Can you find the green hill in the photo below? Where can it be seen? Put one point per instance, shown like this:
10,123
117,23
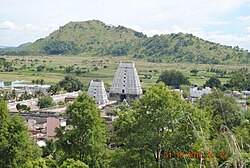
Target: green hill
87,37
97,38
188,48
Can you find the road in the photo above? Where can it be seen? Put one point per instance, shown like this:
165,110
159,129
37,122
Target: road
32,103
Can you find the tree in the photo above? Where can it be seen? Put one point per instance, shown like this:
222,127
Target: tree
38,163
45,102
240,81
160,122
49,149
86,140
54,89
22,107
37,81
71,84
173,78
40,68
25,96
213,82
69,69
194,71
38,93
13,94
42,82
71,163
17,147
225,109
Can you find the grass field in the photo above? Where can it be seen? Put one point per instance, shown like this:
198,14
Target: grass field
144,68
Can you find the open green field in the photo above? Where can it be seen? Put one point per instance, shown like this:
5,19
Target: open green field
26,69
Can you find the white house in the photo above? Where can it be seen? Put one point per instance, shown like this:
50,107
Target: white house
196,93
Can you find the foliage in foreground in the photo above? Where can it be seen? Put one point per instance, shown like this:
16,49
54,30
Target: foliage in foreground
144,135
17,147
86,140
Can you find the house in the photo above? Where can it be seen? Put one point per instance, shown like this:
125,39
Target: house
52,124
198,93
236,93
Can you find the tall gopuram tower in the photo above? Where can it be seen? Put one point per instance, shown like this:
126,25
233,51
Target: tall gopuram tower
126,83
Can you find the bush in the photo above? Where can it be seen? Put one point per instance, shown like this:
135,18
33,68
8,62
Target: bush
45,102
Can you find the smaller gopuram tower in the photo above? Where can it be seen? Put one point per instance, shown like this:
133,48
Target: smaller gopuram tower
97,91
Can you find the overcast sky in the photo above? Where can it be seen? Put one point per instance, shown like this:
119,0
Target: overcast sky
222,21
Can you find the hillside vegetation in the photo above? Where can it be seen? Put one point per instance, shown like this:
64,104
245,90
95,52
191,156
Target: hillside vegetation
96,38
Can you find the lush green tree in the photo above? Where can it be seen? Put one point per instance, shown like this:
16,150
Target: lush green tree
22,107
25,96
38,163
37,81
86,140
42,82
49,149
240,81
69,69
225,109
45,102
173,78
38,93
50,162
248,101
47,162
60,47
242,134
194,71
71,84
17,147
40,68
54,89
71,163
13,94
213,82
61,103
160,122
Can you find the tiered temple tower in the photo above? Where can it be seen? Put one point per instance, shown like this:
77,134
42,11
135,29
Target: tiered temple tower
97,91
126,83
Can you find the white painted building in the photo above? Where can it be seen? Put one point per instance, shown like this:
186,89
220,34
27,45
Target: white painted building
1,84
97,91
126,83
197,93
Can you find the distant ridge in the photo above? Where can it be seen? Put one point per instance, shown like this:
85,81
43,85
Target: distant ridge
96,38
5,47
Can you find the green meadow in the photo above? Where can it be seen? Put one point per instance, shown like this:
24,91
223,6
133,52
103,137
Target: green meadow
103,68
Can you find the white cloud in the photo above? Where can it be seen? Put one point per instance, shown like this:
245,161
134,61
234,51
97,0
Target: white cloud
243,18
8,25
158,15
52,15
29,27
247,30
51,27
